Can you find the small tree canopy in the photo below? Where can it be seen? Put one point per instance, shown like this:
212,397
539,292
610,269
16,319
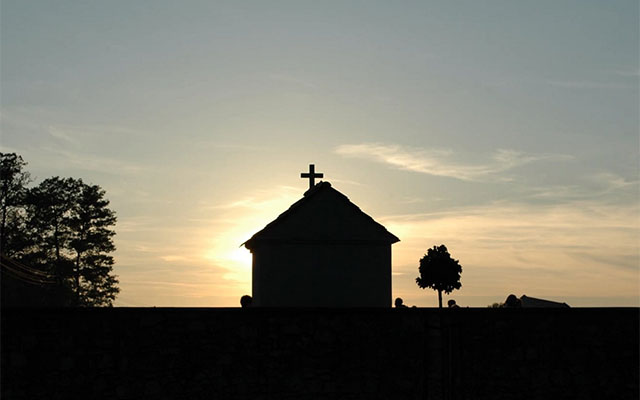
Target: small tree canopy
439,271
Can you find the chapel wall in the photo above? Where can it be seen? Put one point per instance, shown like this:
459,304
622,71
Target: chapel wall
315,275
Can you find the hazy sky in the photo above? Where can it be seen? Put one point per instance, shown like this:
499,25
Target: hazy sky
508,131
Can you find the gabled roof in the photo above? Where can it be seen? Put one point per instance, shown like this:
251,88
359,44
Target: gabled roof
323,215
532,302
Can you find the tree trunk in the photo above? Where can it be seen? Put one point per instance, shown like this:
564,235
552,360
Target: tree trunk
77,272
57,244
440,298
3,245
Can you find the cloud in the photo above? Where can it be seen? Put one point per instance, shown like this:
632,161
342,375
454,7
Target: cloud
236,220
295,81
589,85
63,135
589,187
7,149
549,250
54,145
260,201
437,162
95,163
346,182
232,147
44,123
86,134
194,258
612,182
173,257
628,73
411,200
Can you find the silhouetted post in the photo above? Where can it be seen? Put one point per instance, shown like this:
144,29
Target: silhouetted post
400,303
246,301
312,175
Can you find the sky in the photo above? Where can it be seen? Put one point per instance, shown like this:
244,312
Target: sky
508,131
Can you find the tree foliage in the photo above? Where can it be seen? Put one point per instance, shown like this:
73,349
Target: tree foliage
439,271
66,234
13,181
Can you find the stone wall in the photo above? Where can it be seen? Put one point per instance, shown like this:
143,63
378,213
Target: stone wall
129,353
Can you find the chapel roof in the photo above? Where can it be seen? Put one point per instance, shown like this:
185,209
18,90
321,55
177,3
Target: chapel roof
323,215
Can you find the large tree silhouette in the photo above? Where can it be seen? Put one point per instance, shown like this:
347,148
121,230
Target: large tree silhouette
56,239
70,228
13,181
439,271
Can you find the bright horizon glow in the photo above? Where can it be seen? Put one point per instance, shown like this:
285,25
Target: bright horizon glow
506,131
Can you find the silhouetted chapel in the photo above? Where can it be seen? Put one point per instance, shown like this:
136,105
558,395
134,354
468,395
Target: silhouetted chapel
322,252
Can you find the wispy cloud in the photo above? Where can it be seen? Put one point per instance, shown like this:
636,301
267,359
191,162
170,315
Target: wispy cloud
627,73
56,144
62,135
411,200
173,257
438,162
44,122
231,147
290,79
196,258
589,187
7,149
259,201
346,182
611,181
91,162
85,134
589,85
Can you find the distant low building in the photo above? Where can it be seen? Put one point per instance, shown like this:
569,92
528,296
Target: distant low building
532,302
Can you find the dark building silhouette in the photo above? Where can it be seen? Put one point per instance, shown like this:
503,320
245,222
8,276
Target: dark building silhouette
532,302
322,252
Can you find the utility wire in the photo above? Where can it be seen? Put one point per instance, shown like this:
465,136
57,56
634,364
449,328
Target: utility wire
31,270
24,273
24,277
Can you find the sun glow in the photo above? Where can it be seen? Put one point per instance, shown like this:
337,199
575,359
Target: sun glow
243,218
241,256
235,260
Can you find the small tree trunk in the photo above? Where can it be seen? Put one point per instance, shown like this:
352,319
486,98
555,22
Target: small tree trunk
77,272
3,245
440,298
57,268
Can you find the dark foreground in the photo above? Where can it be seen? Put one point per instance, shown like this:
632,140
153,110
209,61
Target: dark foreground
136,353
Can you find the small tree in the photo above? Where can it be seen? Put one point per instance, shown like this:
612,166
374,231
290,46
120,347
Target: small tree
439,271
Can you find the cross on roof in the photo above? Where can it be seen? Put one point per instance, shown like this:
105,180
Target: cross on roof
311,175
